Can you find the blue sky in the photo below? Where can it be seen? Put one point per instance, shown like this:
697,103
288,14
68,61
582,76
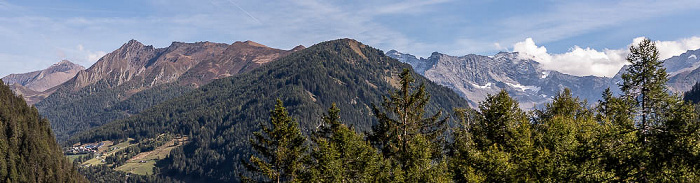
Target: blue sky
588,36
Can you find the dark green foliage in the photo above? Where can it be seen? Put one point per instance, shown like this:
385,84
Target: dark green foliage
340,154
405,137
495,144
219,117
280,147
565,134
651,135
28,150
72,112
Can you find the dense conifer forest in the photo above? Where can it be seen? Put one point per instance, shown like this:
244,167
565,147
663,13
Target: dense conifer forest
28,149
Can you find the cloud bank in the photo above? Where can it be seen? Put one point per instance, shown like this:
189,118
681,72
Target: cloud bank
587,61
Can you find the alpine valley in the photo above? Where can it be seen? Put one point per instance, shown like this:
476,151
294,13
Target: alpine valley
187,112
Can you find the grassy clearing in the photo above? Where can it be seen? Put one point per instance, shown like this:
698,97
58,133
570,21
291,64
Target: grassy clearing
108,150
144,162
145,168
73,157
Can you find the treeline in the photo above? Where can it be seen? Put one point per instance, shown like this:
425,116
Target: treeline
643,135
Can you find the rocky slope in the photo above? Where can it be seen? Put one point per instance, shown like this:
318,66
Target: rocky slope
34,86
136,76
684,70
476,76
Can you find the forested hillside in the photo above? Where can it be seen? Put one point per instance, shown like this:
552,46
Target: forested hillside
219,117
28,149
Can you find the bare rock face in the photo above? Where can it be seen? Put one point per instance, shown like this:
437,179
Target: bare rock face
193,64
34,86
683,71
237,58
50,77
476,76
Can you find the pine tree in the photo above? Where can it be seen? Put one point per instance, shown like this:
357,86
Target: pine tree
463,149
565,133
497,145
405,137
280,148
340,154
616,142
664,125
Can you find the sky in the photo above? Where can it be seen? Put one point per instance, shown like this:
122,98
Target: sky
575,37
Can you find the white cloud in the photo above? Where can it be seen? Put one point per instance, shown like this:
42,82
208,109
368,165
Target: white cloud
587,61
668,49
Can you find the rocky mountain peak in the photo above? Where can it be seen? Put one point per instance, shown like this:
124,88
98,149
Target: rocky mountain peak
298,48
36,85
64,66
132,44
251,43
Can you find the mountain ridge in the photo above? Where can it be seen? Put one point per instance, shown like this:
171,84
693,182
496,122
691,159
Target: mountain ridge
476,76
485,72
100,93
36,85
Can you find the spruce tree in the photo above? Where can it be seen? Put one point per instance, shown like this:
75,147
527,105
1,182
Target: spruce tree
280,149
340,154
565,135
495,145
665,127
405,137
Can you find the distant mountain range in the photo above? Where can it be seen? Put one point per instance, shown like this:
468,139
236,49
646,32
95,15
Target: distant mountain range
34,86
475,76
135,77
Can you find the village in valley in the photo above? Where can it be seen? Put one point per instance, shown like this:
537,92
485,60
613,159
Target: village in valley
130,156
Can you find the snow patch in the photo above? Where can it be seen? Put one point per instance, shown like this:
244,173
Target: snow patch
545,74
692,57
488,85
524,88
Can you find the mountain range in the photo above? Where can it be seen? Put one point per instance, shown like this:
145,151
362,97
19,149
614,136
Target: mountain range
220,116
135,77
476,76
37,85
